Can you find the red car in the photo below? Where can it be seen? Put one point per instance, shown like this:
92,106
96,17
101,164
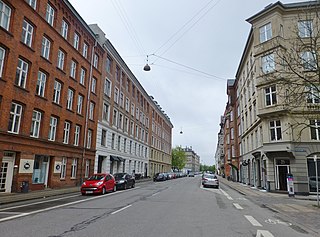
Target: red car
98,183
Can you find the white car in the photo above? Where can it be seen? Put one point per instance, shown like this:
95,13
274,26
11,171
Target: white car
210,180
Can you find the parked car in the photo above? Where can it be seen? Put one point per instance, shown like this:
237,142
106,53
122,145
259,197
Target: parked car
98,184
124,180
191,174
313,183
210,180
160,177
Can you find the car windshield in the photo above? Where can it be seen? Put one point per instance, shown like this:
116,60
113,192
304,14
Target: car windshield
210,176
119,176
96,177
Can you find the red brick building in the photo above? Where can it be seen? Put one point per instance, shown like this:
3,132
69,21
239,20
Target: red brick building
50,76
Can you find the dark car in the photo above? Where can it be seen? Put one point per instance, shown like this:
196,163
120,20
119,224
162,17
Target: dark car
98,183
124,180
160,177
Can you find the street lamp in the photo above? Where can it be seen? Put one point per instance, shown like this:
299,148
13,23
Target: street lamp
147,67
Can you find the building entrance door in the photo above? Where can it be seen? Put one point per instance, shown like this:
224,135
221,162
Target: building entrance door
6,172
281,176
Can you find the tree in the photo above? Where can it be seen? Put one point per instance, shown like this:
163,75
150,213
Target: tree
208,168
290,72
179,158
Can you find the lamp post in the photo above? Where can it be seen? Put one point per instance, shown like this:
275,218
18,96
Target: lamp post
315,158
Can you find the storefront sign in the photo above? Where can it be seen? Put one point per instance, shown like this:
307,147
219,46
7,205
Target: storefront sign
26,166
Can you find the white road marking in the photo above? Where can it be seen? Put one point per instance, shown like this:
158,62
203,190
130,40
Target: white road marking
155,194
12,213
253,221
121,209
237,206
227,195
264,233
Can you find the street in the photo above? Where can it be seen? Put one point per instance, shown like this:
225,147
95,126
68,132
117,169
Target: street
179,207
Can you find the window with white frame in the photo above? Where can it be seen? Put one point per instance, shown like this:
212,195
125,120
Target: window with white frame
61,56
27,33
108,64
5,15
113,137
120,125
85,50
15,118
232,133
118,73
267,63
91,110
105,112
2,57
313,94
63,168
22,73
265,32
125,145
41,84
137,113
271,95
132,109
80,104
103,137
131,128
116,95
73,69
309,60
82,76
89,139
96,61
115,118
66,132
74,168
76,40
127,107
52,128
50,14
87,169
126,124
45,48
56,92
315,129
93,85
305,28
32,3
70,99
275,130
119,143
107,87
77,131
35,124
64,29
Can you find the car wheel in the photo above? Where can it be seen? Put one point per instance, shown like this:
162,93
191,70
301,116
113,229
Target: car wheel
83,194
124,186
133,185
114,188
103,191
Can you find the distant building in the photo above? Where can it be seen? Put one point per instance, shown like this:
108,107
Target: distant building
193,160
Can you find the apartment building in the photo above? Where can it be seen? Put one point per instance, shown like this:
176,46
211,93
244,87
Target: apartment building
193,160
50,79
278,97
219,155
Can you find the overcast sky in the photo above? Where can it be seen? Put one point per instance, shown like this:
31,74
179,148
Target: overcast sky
194,47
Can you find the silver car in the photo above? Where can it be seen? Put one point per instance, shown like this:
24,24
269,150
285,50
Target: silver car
210,180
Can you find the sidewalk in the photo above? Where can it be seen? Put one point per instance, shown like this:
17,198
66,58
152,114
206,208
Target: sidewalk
6,198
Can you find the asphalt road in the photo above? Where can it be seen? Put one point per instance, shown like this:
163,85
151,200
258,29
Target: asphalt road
173,208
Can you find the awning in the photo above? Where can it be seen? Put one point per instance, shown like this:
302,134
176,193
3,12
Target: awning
257,154
114,158
120,158
233,166
279,154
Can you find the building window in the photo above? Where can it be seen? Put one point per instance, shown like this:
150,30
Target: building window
77,135
87,170
127,105
22,73
27,33
113,140
66,132
74,168
105,112
52,128
15,118
275,130
265,33
96,61
117,74
35,124
313,94
73,69
64,29
308,60
121,99
5,15
41,84
82,76
40,168
50,14
76,40
80,104
89,140
61,57
305,28
116,95
119,143
232,133
93,85
32,3
103,137
107,87
108,64
45,49
56,92
315,129
91,110
267,63
70,99
115,118
63,168
2,56
271,95
85,50
125,144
